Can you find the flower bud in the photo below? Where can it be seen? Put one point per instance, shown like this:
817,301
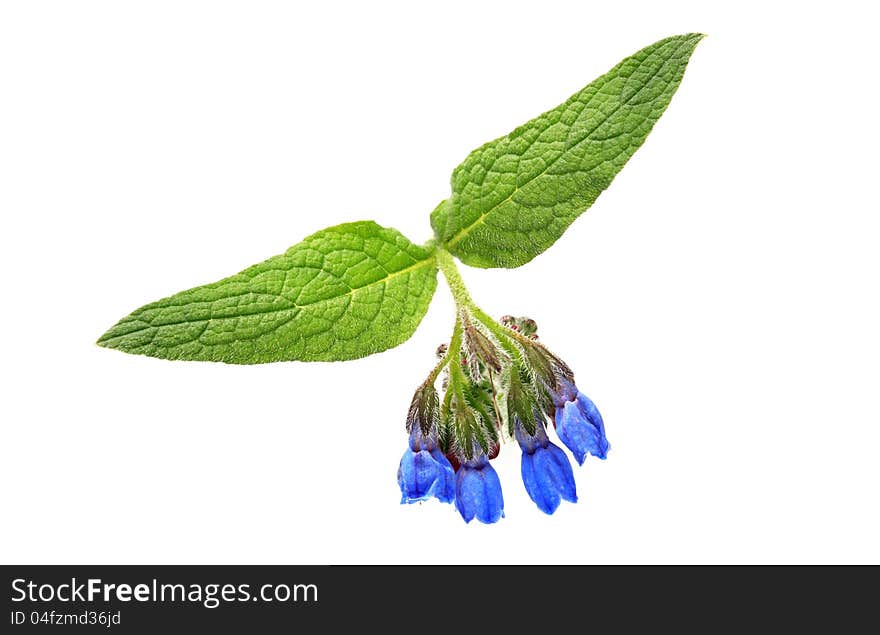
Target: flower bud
423,410
480,350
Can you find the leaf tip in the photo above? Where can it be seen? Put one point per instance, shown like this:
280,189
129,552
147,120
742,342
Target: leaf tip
107,340
113,339
103,341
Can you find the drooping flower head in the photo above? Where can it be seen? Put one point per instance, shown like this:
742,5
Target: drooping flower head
453,441
578,423
424,470
546,472
478,491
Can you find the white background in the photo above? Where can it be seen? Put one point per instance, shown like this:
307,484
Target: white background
719,302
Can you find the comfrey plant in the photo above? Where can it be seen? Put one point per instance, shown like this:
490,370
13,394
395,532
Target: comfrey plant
359,288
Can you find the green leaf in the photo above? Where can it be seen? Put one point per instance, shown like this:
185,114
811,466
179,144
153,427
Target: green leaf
515,196
342,293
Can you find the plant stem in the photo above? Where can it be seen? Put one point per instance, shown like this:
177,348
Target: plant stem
456,377
453,352
432,376
463,302
453,279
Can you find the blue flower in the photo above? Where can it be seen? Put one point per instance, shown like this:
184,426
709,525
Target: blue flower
579,424
546,471
478,491
425,471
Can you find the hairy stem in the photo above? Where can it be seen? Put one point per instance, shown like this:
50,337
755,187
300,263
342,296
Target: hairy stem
463,302
454,345
456,376
432,376
453,279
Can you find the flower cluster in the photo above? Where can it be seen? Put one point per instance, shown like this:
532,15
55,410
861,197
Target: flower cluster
498,382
